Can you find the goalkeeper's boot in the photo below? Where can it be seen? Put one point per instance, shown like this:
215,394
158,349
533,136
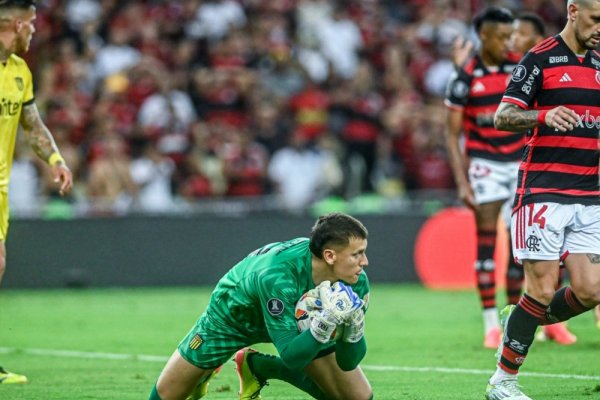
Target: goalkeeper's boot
507,389
250,386
202,388
9,377
559,333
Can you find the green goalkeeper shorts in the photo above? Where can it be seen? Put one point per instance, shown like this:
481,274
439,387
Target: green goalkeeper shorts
206,346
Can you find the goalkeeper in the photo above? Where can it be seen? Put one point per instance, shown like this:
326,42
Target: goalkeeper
254,303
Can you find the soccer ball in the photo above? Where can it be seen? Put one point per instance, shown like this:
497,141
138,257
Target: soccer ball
308,305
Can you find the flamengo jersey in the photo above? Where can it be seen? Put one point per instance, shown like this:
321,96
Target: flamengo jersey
16,90
259,294
560,167
477,91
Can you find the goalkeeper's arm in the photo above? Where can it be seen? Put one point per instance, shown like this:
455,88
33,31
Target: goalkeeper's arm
297,350
349,355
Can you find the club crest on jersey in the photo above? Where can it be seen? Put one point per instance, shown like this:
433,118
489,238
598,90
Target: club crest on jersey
275,307
519,73
196,342
19,82
598,77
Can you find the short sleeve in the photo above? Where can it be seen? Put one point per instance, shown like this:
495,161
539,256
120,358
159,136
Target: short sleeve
457,91
525,82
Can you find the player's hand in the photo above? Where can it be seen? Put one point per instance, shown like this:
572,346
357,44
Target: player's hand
339,300
62,174
461,51
466,195
562,118
354,328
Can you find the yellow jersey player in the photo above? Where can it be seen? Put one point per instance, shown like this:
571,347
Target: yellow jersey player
17,107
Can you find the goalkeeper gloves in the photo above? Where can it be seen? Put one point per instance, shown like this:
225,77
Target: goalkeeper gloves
354,328
339,303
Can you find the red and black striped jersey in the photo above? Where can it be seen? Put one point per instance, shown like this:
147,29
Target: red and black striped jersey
477,90
560,167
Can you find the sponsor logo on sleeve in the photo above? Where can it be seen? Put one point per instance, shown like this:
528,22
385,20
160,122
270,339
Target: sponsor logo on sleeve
526,88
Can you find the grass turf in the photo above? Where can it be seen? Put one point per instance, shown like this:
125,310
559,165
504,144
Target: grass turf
422,344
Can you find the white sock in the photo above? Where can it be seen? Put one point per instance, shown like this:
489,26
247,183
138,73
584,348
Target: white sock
490,319
501,375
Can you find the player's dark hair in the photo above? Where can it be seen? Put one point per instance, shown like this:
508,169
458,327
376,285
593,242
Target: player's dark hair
335,229
24,4
493,14
535,20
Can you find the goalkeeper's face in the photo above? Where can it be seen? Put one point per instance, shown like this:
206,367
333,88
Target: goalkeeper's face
350,261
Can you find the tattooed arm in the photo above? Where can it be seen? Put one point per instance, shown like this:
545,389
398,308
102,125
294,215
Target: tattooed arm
41,141
38,136
510,117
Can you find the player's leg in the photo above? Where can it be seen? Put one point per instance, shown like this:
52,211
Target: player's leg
514,278
584,273
6,377
178,379
2,259
336,383
254,369
538,234
521,325
486,219
3,232
583,263
514,271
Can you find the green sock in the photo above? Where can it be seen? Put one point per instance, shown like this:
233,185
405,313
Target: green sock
265,366
154,394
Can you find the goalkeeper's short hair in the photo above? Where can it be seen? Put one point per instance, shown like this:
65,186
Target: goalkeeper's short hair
335,229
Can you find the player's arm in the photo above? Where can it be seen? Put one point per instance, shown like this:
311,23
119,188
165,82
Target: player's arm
296,350
510,117
348,355
339,302
454,123
516,114
41,141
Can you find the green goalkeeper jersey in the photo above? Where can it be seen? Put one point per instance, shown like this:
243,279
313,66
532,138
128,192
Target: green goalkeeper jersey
257,297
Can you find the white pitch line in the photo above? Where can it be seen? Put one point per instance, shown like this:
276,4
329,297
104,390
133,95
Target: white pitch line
383,368
464,371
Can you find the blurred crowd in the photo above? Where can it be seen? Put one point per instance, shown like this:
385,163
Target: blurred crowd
159,103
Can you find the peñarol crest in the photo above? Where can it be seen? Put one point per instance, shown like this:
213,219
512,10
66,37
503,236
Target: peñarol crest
19,82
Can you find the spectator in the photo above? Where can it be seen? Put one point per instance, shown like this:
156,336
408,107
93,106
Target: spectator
152,172
302,173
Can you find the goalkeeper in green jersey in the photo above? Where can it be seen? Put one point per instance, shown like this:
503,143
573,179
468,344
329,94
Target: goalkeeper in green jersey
254,303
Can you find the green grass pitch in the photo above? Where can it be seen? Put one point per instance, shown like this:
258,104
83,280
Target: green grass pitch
422,344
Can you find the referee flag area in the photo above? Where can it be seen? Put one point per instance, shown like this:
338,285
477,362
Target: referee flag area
422,344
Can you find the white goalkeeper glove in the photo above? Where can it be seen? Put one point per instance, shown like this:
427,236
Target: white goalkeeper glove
339,302
354,328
